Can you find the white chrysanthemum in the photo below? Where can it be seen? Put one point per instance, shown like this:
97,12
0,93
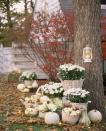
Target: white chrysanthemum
68,67
76,92
52,88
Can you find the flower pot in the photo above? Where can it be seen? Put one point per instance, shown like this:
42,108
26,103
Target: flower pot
67,84
80,106
28,83
70,119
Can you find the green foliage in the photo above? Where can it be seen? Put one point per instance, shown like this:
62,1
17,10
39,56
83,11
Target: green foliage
78,99
72,74
14,127
2,118
28,76
13,77
34,127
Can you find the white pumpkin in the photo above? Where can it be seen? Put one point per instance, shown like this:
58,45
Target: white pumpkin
20,87
44,99
52,118
25,90
29,87
27,99
95,116
31,111
35,84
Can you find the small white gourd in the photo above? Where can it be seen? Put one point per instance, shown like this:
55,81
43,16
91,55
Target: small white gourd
52,118
44,99
35,84
29,87
95,116
31,111
20,87
25,90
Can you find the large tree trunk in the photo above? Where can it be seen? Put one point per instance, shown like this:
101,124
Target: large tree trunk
87,32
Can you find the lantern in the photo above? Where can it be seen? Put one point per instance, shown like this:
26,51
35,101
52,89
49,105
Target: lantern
87,54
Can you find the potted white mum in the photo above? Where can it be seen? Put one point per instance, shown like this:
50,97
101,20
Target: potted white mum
77,96
28,78
71,75
79,99
52,89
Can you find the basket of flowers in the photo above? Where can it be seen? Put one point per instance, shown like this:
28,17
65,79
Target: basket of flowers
77,97
52,89
71,76
28,78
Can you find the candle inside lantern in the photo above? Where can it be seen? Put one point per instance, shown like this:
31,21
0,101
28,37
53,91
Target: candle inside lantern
87,54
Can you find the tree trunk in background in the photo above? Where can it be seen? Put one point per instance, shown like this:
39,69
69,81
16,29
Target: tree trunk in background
8,11
25,7
87,32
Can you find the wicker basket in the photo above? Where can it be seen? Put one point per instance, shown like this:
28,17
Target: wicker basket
80,106
67,84
70,119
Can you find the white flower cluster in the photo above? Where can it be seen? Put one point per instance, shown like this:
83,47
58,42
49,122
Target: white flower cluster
25,73
76,92
28,75
72,111
69,67
52,88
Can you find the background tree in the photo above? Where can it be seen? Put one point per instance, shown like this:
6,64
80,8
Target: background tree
50,42
12,20
87,32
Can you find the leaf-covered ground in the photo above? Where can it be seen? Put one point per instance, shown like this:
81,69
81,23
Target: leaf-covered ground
12,116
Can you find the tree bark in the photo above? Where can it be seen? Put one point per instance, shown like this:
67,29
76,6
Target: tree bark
25,6
87,32
8,11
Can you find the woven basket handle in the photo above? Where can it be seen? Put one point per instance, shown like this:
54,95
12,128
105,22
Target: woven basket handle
39,90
